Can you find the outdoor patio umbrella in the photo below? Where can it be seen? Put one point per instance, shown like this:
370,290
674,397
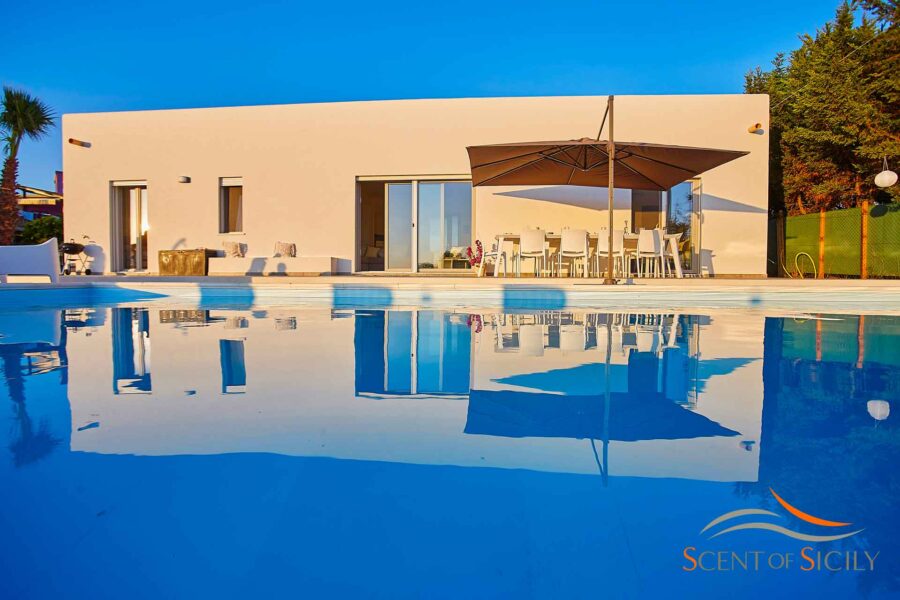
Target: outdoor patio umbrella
586,162
640,166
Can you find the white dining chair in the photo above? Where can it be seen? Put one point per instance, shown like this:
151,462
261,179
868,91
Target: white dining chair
664,253
532,244
620,265
572,338
496,255
647,339
648,252
669,259
531,340
672,334
573,245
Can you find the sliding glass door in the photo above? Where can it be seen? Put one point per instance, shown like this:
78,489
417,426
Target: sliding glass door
412,353
415,225
399,208
444,224
683,216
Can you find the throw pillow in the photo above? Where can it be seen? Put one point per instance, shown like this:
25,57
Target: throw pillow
285,250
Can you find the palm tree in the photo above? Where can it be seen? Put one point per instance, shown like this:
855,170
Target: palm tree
22,115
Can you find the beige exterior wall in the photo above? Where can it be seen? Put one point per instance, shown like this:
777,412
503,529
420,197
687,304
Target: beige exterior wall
300,165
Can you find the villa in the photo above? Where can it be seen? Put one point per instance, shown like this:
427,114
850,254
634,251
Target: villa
386,186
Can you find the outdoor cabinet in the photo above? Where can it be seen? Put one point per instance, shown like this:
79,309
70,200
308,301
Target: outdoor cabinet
185,262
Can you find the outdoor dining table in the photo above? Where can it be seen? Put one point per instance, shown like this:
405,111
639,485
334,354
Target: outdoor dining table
671,238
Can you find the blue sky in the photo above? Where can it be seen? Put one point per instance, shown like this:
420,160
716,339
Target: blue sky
114,55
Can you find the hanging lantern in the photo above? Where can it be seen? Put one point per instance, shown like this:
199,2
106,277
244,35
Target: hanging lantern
878,409
886,178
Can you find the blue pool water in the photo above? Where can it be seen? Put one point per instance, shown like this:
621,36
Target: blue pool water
176,451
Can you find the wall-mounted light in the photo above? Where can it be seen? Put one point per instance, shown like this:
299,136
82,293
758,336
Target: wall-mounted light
184,179
81,143
756,129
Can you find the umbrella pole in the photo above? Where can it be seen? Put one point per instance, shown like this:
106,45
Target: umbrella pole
607,399
611,153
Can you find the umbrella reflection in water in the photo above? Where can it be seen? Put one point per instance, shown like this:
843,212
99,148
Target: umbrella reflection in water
642,411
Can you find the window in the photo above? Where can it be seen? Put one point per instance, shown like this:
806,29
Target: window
234,370
231,205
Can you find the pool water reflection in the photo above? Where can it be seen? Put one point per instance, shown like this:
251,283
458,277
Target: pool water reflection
406,452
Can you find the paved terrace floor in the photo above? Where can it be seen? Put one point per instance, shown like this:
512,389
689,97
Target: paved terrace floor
833,295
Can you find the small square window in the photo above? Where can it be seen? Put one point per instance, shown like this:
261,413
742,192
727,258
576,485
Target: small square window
231,205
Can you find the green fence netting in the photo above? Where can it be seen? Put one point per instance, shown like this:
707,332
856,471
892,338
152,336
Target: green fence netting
843,242
801,235
811,339
884,241
843,234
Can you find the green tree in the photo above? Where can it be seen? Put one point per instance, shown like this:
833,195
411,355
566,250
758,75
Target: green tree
40,230
21,115
835,110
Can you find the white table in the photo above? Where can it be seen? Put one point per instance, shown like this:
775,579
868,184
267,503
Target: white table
671,238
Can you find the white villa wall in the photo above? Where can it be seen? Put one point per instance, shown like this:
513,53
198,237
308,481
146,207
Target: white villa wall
300,165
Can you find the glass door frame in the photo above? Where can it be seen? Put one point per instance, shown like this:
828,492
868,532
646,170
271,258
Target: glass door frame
442,221
414,199
696,222
413,181
413,349
119,193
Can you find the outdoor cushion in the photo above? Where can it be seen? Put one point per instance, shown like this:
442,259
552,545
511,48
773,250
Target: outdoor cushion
234,249
285,249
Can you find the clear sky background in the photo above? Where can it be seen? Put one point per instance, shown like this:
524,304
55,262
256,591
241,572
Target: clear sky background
101,55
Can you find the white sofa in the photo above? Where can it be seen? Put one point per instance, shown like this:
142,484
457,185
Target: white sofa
268,265
41,260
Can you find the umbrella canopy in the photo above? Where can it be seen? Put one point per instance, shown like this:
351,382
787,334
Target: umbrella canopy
632,417
639,166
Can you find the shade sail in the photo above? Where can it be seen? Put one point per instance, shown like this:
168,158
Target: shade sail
639,166
632,417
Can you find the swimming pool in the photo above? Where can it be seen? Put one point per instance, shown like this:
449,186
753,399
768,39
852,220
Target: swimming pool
170,450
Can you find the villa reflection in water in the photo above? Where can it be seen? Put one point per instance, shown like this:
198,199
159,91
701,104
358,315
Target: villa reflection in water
735,399
510,389
488,388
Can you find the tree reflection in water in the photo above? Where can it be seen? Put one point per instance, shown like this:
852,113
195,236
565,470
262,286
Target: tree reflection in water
33,441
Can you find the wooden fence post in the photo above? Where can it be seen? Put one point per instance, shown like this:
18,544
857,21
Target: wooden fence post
821,244
818,338
861,341
864,241
780,249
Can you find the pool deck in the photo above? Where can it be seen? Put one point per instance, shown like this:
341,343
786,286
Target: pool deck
836,295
